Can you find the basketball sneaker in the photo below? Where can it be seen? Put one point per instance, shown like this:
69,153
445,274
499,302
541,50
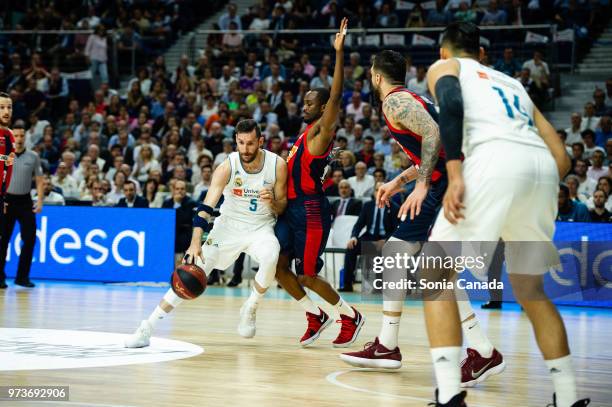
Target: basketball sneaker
349,329
246,327
457,401
476,369
316,325
140,338
374,355
579,403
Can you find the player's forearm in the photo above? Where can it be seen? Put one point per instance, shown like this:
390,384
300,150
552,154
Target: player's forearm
454,169
196,236
40,190
278,206
338,82
408,175
430,149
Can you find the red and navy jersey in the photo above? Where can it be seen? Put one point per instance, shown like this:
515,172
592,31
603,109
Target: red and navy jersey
411,141
7,146
306,171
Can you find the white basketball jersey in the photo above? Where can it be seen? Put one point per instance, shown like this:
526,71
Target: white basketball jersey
496,107
241,194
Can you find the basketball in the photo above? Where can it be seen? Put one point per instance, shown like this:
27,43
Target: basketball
188,281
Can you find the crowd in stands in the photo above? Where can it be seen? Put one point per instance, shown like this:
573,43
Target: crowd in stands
585,194
156,142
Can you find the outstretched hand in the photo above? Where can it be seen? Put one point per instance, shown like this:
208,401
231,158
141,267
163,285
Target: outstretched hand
341,35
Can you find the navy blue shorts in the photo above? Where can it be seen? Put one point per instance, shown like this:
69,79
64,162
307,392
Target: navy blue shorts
302,232
417,230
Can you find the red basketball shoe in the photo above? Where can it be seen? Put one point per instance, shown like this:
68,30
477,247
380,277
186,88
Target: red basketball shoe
316,325
476,369
349,329
374,355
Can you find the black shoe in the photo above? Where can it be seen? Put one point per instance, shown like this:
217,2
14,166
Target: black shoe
234,282
579,403
347,289
26,283
3,284
457,401
492,305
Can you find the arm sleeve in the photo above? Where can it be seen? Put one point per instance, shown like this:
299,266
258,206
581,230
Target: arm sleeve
448,93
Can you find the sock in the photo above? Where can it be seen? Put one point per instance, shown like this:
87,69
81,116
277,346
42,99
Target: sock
389,332
255,297
448,371
564,380
476,338
157,315
308,306
344,309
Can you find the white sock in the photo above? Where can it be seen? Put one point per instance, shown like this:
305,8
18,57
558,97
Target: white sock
309,306
389,332
255,297
476,338
344,309
564,380
157,315
448,371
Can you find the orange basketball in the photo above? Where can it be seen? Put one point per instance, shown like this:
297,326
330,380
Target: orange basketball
188,281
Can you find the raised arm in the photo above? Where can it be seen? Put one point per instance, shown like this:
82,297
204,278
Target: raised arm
327,123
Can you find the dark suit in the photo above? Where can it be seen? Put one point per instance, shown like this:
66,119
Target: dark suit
352,207
366,219
139,202
184,219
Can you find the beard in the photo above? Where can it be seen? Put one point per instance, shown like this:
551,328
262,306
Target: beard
248,158
312,119
376,91
5,123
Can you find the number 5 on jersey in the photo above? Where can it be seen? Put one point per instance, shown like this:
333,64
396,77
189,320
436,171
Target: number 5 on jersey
517,105
253,207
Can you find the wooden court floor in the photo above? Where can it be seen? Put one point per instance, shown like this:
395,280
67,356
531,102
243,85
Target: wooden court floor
272,369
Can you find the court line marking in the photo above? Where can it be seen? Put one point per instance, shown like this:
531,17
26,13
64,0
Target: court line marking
333,379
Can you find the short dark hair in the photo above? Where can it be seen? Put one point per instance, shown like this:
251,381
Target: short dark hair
579,145
392,65
588,132
5,95
322,94
247,126
18,125
369,138
381,171
128,182
462,36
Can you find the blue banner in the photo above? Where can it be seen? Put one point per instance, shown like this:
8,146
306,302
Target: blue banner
100,244
585,275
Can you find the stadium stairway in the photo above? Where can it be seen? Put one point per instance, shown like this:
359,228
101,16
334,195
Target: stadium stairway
173,55
577,88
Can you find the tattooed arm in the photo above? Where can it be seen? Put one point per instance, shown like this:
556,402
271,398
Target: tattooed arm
405,112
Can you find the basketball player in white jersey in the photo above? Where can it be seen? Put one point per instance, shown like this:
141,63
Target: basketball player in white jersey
506,187
253,183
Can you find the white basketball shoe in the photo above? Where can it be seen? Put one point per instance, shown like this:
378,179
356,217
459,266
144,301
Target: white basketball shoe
246,327
141,338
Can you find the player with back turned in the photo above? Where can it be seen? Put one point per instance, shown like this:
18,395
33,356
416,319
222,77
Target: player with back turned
413,123
506,187
304,228
7,154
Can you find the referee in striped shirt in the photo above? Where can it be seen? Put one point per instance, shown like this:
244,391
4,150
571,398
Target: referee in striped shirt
20,208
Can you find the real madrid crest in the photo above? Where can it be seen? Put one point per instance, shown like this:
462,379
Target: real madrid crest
238,182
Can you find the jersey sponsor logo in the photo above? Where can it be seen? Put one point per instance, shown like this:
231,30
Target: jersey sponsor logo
237,191
482,75
40,349
292,152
